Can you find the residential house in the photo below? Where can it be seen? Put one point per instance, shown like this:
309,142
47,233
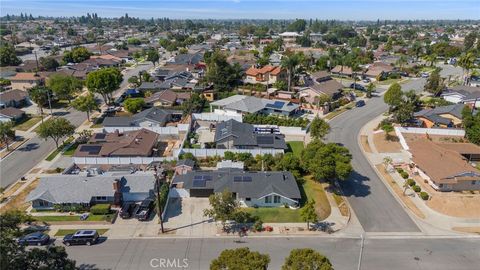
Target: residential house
444,169
266,75
320,84
87,190
289,38
232,134
11,114
167,98
152,117
137,143
250,189
13,98
378,69
468,95
342,70
25,81
442,116
248,104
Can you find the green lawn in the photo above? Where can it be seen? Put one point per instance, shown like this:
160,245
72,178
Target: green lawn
27,123
309,190
338,111
73,218
296,147
71,150
53,154
63,232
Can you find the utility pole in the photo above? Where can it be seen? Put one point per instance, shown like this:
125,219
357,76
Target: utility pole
159,203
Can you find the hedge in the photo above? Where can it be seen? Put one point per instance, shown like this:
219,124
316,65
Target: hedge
416,188
404,174
424,195
411,182
100,209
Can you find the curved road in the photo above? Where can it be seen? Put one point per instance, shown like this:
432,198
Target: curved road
374,205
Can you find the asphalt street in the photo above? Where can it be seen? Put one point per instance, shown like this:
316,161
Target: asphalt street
344,253
22,160
376,209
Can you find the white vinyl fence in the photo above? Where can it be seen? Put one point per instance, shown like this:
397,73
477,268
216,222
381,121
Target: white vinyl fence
216,117
429,131
221,152
160,130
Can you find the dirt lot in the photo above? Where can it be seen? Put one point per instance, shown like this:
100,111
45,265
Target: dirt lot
456,204
434,138
384,146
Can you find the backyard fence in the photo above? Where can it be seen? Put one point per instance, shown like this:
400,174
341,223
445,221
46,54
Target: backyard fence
429,131
119,160
221,152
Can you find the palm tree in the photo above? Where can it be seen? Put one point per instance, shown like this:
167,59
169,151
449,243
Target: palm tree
431,58
466,61
402,61
290,63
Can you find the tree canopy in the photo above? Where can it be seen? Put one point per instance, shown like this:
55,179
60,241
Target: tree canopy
134,105
223,206
64,86
104,82
319,128
221,74
55,128
86,104
393,96
240,259
8,57
306,259
76,55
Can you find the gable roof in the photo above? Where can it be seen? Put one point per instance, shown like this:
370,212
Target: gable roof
13,95
434,114
153,114
81,189
11,112
251,104
253,185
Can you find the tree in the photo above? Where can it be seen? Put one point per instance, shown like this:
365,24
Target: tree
56,128
308,213
16,256
76,55
469,40
224,206
387,128
290,163
326,161
434,83
370,90
393,96
431,58
135,81
319,128
221,74
240,258
64,86
39,95
104,82
153,56
134,105
290,63
416,50
402,60
409,104
306,259
86,104
467,62
8,57
7,133
49,63
471,123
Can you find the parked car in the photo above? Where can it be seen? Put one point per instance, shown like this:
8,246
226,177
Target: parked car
143,211
360,103
82,237
366,80
357,86
425,75
127,210
36,238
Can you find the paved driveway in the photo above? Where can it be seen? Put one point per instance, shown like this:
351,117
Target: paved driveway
185,217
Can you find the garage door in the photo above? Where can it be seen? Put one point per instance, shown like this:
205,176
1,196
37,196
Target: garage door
134,197
201,192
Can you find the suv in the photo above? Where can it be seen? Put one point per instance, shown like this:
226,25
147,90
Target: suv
143,211
82,237
127,210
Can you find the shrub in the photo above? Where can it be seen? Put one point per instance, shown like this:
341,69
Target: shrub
258,226
411,182
424,195
404,174
100,209
416,188
399,170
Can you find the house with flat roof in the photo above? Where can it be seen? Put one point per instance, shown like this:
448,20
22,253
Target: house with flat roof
251,189
88,190
443,168
232,134
248,104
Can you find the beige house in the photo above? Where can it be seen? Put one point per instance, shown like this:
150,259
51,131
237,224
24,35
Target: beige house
25,81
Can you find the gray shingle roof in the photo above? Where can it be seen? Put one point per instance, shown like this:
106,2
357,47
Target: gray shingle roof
153,114
81,189
251,104
455,110
261,184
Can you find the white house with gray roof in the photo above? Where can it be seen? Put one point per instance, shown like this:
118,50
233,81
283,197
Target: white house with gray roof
248,104
88,190
262,189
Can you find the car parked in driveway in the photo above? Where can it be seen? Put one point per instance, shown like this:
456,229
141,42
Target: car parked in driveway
144,210
127,210
36,238
357,86
81,237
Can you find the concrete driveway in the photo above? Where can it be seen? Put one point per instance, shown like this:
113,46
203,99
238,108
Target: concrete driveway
185,217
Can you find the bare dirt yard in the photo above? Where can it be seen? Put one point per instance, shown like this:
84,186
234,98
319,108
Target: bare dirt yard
386,146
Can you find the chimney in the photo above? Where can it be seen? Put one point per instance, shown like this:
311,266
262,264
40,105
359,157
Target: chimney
117,132
116,185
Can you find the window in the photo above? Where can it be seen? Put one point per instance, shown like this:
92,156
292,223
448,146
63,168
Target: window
248,199
276,199
473,182
101,198
268,199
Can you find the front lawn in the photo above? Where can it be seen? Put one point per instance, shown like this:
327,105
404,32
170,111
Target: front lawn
63,232
69,152
295,147
27,123
309,190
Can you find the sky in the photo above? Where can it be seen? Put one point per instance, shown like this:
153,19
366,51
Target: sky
251,9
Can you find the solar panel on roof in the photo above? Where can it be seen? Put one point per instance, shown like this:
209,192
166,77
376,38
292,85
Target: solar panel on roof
198,177
100,136
207,177
199,183
265,140
91,149
276,104
237,179
247,179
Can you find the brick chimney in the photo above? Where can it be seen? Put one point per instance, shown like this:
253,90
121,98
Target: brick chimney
117,196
